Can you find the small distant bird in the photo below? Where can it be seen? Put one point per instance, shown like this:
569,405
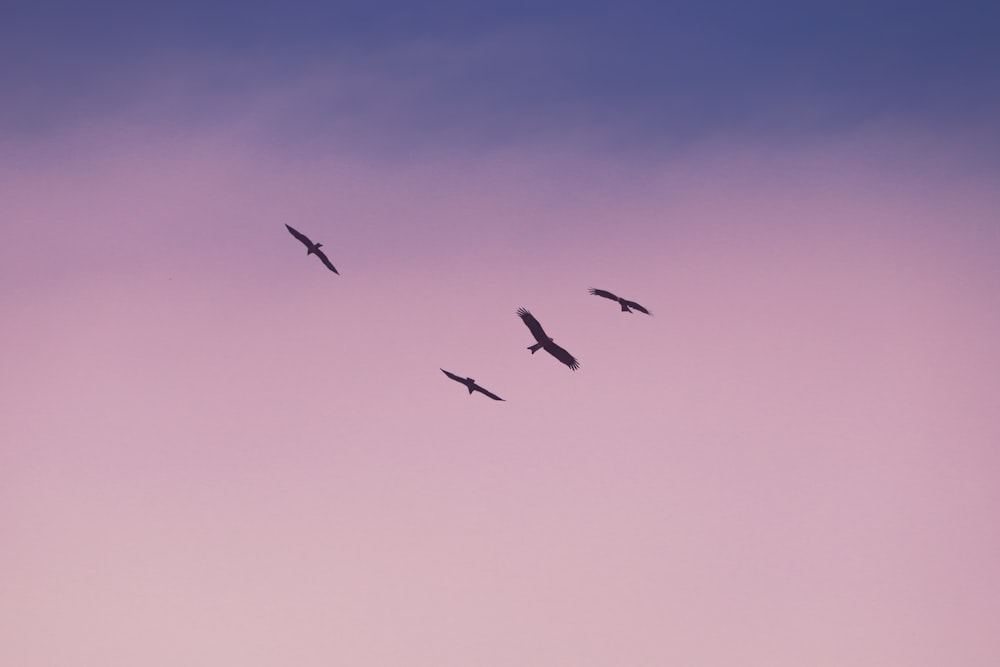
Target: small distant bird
545,342
471,384
312,248
625,303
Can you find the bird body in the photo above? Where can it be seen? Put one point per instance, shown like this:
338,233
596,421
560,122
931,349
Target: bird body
471,385
545,342
626,305
312,248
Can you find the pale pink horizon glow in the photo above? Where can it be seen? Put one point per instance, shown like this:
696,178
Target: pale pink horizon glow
215,452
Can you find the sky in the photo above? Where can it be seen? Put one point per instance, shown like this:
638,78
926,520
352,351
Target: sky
213,451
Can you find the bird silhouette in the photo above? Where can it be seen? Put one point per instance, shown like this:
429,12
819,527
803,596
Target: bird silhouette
625,303
545,341
312,248
471,384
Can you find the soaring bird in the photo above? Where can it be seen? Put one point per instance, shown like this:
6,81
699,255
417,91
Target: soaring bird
625,303
545,342
471,384
312,248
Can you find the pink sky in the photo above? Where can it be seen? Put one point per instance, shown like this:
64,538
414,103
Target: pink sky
215,452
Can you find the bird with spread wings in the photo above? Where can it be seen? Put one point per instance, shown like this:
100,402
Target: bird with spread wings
471,384
312,248
625,303
545,341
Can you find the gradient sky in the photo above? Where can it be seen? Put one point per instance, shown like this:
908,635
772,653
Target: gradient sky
215,452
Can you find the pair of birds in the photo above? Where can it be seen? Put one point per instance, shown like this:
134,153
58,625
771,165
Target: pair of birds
543,340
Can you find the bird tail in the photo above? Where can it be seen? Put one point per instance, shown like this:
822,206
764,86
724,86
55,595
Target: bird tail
535,348
471,390
625,308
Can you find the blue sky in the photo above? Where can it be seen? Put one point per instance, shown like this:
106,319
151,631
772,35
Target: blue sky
483,74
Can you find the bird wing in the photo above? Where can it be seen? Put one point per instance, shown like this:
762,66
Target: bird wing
601,292
453,376
299,235
536,329
326,260
561,354
633,304
476,387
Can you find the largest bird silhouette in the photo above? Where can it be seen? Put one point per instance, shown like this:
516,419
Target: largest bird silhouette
471,384
312,248
545,341
625,303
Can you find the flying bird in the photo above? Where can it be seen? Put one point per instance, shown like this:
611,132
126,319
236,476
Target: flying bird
312,248
625,303
545,342
471,384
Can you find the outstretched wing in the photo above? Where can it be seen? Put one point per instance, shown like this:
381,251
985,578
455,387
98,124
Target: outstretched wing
633,304
453,376
601,292
561,354
536,329
326,260
476,387
299,235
